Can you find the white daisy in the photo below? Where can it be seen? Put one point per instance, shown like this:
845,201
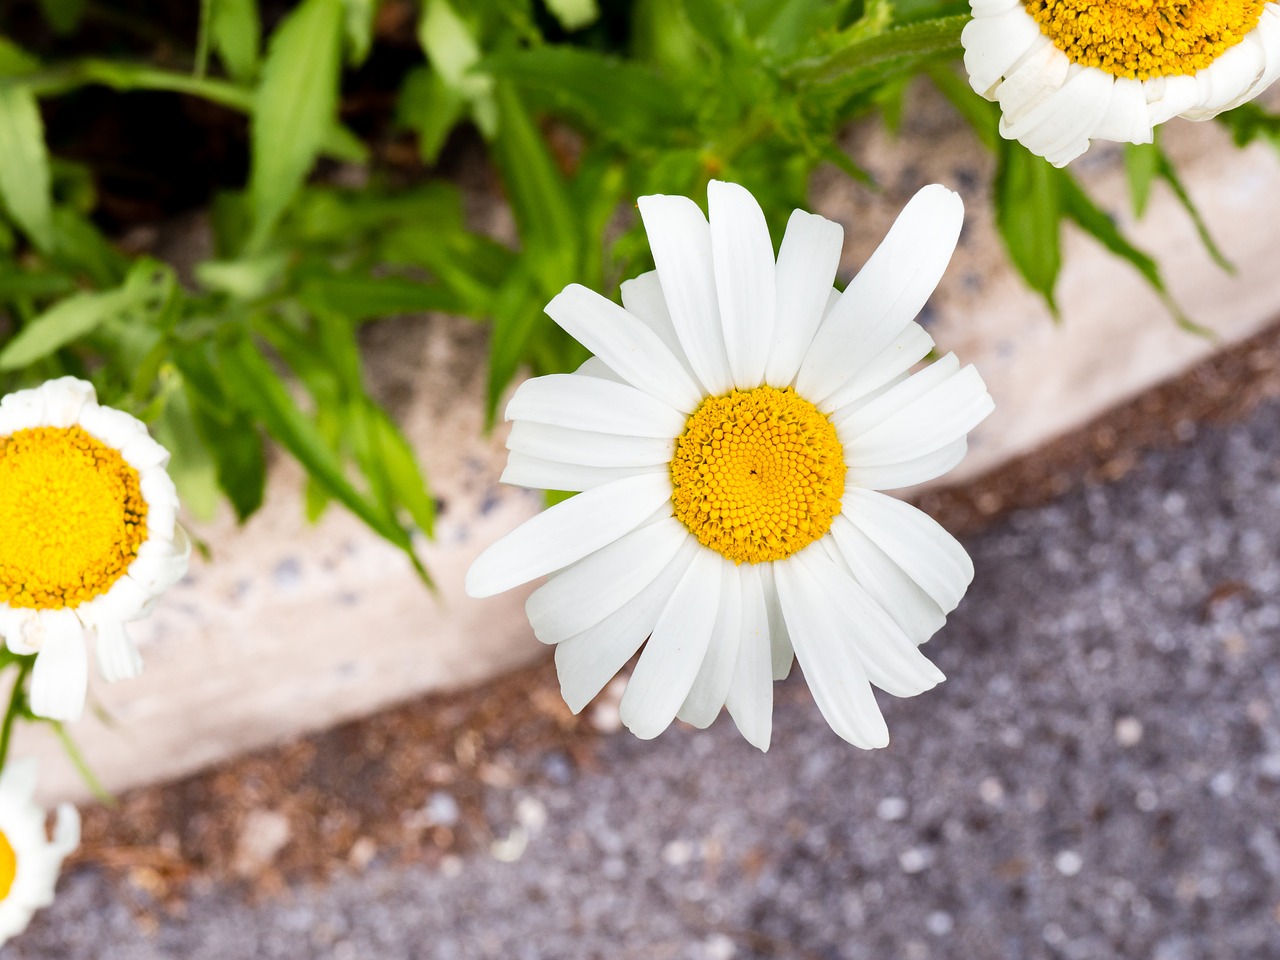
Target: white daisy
730,437
88,537
29,862
1069,71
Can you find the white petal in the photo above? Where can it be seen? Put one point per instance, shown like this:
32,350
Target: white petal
642,296
908,473
912,609
118,656
745,285
854,420
538,474
18,782
64,398
626,344
61,674
781,655
673,655
586,662
832,667
923,426
597,368
113,427
1173,96
890,364
563,445
1041,72
915,542
807,264
585,403
160,564
750,700
21,411
66,830
994,41
566,533
891,658
1060,128
886,294
711,685
680,238
127,599
1126,120
582,595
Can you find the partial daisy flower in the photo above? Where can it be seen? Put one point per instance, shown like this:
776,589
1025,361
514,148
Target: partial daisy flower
1066,72
730,438
88,537
29,862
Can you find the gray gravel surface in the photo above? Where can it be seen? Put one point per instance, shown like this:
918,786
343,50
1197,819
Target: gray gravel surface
1099,778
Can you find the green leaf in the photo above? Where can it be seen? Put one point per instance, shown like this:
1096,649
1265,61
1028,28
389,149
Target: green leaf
453,51
1141,165
24,164
63,15
1169,175
254,385
14,60
359,297
236,32
1028,201
619,100
358,25
927,39
1077,205
192,468
74,317
235,448
431,108
574,14
293,108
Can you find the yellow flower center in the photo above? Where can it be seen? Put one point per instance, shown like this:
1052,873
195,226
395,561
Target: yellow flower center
1145,38
8,865
758,474
72,517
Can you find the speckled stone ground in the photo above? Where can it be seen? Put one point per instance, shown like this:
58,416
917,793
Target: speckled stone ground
1099,778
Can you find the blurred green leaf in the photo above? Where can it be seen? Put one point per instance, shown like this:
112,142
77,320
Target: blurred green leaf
574,14
453,51
358,28
24,163
616,99
917,41
192,467
293,108
1029,208
77,315
1141,165
358,296
1167,173
63,15
431,108
236,32
14,60
235,448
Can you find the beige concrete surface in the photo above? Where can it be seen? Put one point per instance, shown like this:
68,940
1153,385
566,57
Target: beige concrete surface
296,627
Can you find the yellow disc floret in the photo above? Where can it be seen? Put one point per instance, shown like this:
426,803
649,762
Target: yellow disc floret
72,517
757,474
1145,38
8,866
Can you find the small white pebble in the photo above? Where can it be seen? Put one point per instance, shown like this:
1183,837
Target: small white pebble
677,853
991,790
1128,731
451,865
915,859
1223,783
531,813
1068,863
718,947
939,923
1146,800
512,848
891,809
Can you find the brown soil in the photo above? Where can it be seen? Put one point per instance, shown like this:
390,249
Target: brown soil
343,796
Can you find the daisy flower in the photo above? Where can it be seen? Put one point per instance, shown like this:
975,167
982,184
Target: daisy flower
88,537
730,437
29,862
1069,71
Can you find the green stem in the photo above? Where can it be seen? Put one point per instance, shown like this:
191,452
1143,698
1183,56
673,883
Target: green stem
82,767
925,39
14,708
202,40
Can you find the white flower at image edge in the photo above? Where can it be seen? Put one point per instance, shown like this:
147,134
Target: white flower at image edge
729,438
88,537
29,862
1066,72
